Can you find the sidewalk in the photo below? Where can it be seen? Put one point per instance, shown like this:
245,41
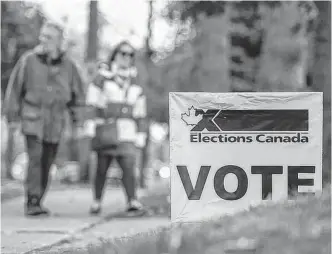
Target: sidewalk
10,189
70,218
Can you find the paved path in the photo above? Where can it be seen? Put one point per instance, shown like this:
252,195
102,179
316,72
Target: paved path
70,219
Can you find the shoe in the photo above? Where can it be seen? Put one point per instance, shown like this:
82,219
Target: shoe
36,210
135,206
95,208
33,207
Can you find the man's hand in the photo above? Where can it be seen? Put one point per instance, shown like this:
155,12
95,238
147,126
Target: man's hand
14,126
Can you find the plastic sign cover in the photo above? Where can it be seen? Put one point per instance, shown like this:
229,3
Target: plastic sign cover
233,150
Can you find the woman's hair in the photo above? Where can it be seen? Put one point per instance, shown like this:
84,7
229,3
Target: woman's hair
116,51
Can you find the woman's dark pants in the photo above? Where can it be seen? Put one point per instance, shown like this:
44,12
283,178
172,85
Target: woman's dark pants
127,164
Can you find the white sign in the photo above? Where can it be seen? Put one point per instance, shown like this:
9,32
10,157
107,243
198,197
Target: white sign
232,150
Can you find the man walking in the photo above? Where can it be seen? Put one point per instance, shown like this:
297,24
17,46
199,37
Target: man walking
43,85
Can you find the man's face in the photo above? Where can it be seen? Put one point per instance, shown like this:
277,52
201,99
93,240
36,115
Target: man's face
50,38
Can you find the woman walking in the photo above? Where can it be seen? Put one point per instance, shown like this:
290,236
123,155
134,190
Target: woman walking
118,107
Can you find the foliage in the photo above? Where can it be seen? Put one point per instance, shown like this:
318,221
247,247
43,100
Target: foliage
250,25
285,54
183,10
155,90
260,47
199,64
20,24
321,72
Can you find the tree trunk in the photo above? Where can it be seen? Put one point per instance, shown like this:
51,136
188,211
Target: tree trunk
149,51
143,155
81,147
322,78
144,159
92,39
245,45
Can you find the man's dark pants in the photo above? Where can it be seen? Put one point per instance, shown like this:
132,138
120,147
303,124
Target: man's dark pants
41,157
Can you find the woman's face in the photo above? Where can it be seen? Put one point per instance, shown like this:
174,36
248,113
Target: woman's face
124,57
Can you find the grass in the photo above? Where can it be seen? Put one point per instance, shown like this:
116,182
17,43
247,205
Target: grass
296,227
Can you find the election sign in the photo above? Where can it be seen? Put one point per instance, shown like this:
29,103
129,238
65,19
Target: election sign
229,151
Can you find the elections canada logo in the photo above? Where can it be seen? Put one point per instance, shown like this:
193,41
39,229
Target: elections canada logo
247,126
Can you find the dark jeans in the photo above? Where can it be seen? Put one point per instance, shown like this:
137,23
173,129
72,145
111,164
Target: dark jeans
41,157
84,149
127,164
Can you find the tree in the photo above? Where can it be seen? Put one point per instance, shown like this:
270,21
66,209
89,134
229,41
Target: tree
92,35
321,70
286,48
221,30
149,51
188,67
20,25
245,45
198,62
143,158
183,10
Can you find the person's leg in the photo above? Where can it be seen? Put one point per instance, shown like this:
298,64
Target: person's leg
48,156
127,164
33,181
103,164
84,158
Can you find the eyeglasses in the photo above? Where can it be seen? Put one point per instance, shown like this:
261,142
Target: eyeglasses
124,54
45,37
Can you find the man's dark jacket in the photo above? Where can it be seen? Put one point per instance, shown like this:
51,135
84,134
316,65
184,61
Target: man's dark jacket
39,93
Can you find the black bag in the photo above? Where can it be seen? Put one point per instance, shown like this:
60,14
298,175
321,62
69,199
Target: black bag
106,136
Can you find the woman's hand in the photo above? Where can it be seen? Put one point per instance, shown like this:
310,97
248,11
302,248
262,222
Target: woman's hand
79,132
